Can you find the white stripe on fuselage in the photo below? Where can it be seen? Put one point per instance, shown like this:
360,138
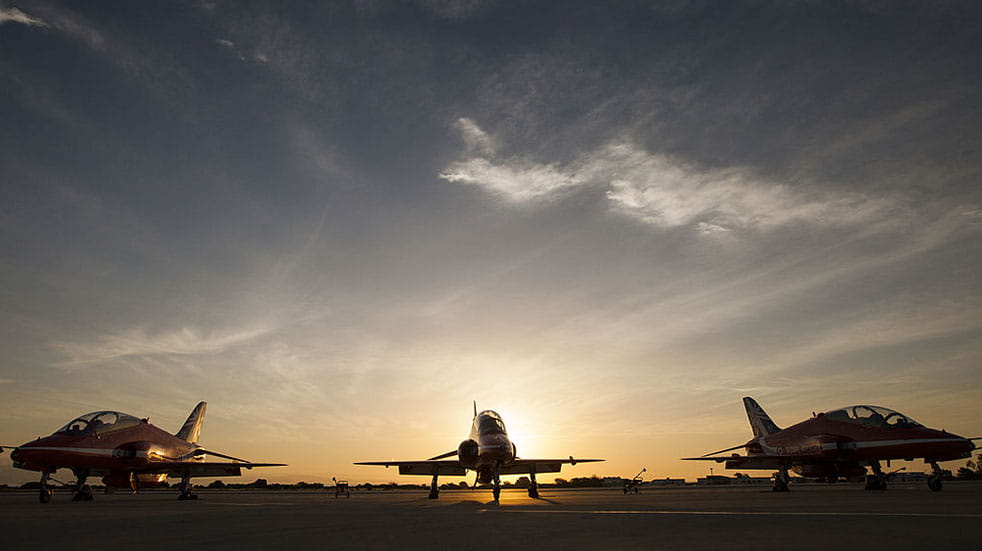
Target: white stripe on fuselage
883,443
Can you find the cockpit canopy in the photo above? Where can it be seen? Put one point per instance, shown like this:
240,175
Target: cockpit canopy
871,416
99,422
489,422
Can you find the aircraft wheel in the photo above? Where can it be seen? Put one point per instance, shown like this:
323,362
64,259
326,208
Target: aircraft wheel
934,483
45,495
533,493
434,494
875,483
496,493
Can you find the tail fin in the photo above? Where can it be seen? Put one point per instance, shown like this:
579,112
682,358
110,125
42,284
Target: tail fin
191,429
760,422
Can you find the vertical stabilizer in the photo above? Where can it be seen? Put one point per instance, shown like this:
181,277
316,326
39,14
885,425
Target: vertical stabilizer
192,427
760,422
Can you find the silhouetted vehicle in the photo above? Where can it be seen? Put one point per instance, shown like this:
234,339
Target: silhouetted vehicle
634,485
341,488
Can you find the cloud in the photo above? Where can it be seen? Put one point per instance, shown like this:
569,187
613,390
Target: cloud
14,15
477,140
668,193
659,189
515,180
56,19
182,342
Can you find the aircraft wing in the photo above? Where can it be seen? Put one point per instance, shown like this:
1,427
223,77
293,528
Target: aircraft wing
204,468
525,466
761,461
424,468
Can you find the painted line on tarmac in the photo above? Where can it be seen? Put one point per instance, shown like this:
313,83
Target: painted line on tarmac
732,513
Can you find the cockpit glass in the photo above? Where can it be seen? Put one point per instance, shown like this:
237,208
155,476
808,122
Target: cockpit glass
99,422
490,423
871,416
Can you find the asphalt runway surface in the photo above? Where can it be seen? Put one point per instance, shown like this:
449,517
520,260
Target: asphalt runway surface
809,517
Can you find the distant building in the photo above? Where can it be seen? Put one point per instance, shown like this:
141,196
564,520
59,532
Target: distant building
666,482
714,480
613,481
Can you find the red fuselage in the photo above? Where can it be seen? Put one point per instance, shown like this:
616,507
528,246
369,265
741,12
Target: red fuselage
112,454
835,444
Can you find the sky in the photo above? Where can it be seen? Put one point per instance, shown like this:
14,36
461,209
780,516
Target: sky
342,223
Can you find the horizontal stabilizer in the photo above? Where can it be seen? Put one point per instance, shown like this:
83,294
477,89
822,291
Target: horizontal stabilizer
726,450
444,455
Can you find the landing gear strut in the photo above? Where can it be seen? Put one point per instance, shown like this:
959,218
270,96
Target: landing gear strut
781,480
934,481
187,492
533,486
82,490
434,489
877,480
45,494
496,492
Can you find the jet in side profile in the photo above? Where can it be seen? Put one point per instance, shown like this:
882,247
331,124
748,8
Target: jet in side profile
842,443
489,452
125,451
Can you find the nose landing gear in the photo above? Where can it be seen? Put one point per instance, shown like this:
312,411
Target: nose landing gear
934,481
44,496
877,480
496,492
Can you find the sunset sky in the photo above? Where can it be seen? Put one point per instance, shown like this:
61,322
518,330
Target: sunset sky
340,224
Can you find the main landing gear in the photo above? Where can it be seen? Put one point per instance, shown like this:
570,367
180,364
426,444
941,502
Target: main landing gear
187,492
877,480
45,494
781,480
434,489
82,490
533,486
934,481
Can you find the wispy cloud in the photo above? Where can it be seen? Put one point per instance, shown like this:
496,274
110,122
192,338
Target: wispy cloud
515,180
57,19
658,189
138,342
14,15
668,192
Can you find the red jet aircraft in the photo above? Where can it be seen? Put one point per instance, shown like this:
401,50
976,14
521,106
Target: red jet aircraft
127,452
489,452
842,443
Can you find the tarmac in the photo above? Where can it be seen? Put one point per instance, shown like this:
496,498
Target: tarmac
809,517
